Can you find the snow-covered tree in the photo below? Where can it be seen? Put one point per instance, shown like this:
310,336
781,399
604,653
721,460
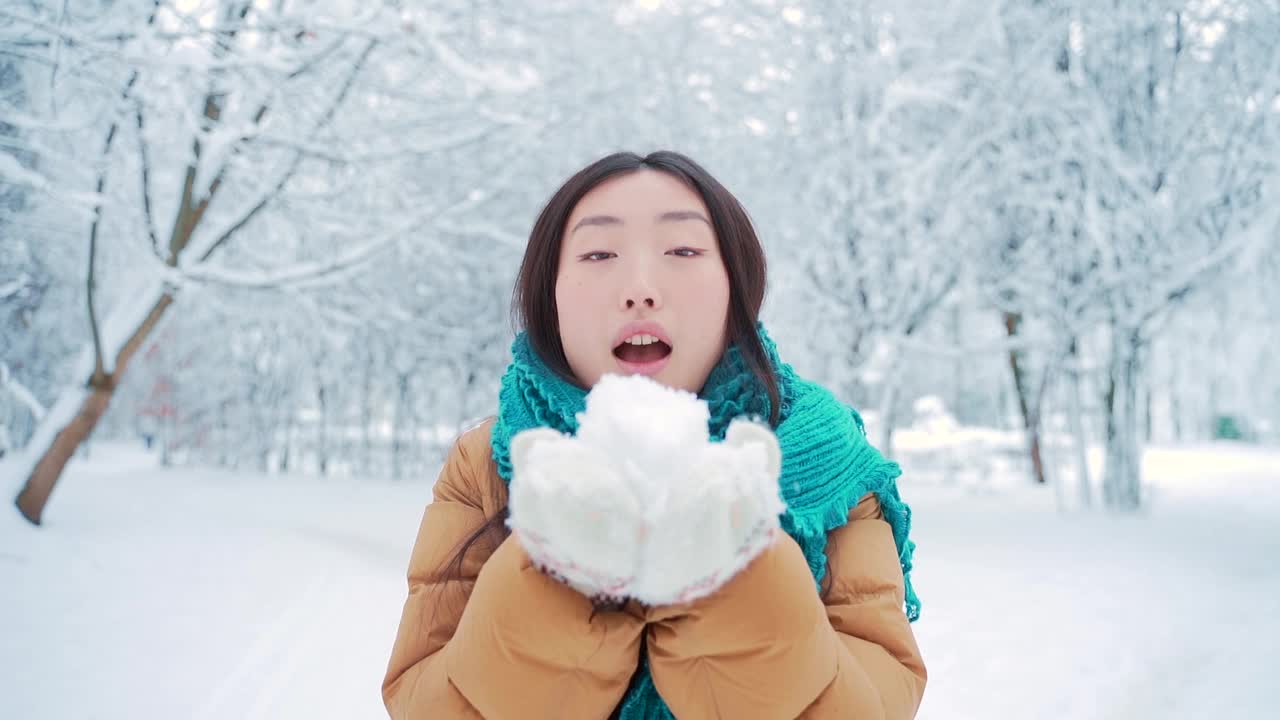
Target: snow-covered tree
296,222
178,132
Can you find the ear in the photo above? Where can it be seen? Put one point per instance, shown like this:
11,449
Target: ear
524,441
745,432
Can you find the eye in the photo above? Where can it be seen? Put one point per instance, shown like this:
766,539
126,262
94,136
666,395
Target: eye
685,252
596,256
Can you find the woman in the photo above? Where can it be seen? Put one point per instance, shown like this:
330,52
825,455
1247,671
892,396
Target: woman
647,265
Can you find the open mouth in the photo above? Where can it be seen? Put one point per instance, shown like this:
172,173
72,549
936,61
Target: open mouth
642,353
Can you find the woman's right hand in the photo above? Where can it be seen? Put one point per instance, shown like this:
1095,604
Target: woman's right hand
573,514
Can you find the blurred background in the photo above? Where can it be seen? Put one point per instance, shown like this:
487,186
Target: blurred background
255,269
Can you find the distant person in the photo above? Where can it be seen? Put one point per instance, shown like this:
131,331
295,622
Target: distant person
597,594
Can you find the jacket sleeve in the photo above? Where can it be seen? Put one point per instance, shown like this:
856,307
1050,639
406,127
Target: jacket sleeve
503,640
766,645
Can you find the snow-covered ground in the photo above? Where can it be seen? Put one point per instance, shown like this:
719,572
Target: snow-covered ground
1173,613
164,594
180,594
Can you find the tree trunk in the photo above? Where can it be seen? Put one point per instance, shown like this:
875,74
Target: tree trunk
1175,403
1122,476
1146,415
888,419
286,452
398,425
322,437
1076,415
959,383
464,396
166,431
44,476
1030,411
366,418
55,452
35,493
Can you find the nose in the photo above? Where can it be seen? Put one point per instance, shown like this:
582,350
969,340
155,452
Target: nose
640,289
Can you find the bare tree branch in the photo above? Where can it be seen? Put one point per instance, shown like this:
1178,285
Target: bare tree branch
222,237
144,172
312,273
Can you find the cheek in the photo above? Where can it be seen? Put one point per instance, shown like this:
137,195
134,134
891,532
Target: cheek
575,308
710,293
574,296
574,284
568,303
704,304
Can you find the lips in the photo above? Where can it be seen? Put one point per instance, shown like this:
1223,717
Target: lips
641,327
642,348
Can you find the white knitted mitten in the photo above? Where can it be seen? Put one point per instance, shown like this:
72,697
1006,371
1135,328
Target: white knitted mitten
573,514
711,520
640,503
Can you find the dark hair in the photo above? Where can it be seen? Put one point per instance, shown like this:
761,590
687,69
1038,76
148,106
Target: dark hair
533,302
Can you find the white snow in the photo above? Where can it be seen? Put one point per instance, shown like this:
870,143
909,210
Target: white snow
502,79
12,172
9,384
1031,613
163,594
158,593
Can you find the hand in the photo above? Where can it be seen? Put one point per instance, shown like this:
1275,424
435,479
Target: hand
710,520
573,514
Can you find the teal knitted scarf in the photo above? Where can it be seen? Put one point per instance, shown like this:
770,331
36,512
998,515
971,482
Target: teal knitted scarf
827,463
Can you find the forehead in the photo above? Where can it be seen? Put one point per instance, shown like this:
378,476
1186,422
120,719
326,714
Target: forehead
640,196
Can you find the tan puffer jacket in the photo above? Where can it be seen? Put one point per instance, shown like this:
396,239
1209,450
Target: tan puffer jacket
507,642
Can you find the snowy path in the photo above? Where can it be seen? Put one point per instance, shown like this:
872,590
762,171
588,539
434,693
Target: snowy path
1171,614
209,595
203,595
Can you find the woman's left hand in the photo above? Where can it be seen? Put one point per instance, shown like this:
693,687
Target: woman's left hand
711,519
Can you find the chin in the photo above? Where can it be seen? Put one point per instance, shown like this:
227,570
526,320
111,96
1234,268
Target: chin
676,383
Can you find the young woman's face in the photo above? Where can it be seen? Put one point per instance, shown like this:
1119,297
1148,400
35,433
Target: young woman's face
640,262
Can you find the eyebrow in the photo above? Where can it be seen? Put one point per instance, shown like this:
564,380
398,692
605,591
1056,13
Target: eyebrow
669,216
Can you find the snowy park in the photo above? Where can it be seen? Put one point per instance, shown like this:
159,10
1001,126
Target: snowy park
263,261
